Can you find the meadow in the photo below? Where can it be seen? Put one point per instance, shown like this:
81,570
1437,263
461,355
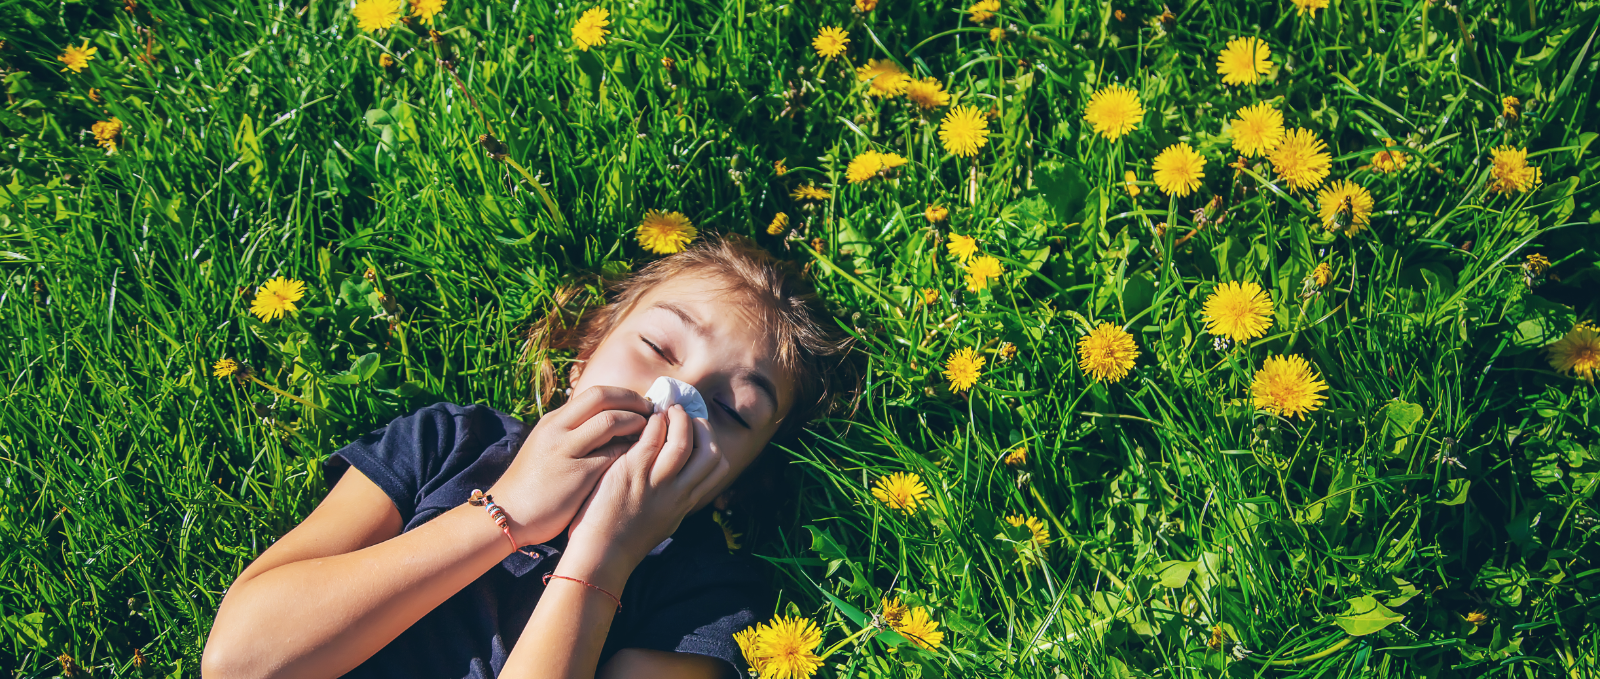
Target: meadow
1215,338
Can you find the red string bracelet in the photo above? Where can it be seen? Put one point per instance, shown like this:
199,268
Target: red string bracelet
482,499
547,577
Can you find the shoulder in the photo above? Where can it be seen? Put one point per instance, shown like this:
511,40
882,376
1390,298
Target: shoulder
407,456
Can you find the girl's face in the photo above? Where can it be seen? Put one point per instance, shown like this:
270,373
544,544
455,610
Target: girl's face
684,329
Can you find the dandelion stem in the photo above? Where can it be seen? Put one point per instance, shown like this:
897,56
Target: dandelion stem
1313,657
299,400
857,635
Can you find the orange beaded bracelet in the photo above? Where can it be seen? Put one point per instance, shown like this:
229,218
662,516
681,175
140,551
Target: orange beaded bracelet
482,499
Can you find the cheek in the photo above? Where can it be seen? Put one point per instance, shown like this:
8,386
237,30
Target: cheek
739,448
613,365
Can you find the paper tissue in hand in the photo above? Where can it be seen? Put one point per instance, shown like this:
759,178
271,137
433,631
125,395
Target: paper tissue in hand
667,391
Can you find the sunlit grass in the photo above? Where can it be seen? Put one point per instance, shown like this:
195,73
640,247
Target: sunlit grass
1434,514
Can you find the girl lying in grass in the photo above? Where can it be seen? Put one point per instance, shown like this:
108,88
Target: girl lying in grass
608,558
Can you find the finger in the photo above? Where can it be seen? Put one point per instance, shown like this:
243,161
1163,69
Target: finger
643,452
703,461
598,399
679,446
711,483
603,427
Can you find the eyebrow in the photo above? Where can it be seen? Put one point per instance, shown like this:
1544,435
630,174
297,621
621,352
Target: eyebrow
753,376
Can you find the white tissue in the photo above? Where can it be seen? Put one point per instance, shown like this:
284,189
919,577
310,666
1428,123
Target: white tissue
667,391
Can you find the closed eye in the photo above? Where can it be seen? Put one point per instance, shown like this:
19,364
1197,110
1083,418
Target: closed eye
734,414
657,349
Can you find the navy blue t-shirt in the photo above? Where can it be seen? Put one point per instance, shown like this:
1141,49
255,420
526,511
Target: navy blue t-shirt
688,596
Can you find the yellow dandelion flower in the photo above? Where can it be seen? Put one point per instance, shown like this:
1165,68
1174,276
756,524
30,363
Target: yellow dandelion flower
788,648
1345,206
1256,130
780,222
935,213
1322,275
902,491
810,192
1130,183
929,296
980,270
1389,161
77,58
885,78
927,93
1310,6
1114,111
997,34
665,232
1008,352
376,15
963,368
426,9
385,61
1244,61
1018,457
746,638
872,165
863,167
864,6
893,611
964,130
106,133
1238,311
1301,160
918,625
1511,172
226,367
728,536
276,298
1535,265
962,247
1179,169
1038,536
780,167
1107,353
983,10
590,30
830,42
1510,107
1286,386
1578,352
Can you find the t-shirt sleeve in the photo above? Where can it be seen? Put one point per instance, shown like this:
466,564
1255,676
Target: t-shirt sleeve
700,614
405,456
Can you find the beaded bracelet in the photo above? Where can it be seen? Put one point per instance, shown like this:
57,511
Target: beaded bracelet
482,499
547,577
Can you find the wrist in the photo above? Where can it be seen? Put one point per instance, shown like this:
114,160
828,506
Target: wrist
594,564
478,530
528,524
496,518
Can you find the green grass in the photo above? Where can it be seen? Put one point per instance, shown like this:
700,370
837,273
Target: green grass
1451,472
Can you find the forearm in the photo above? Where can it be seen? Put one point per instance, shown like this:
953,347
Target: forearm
565,634
322,617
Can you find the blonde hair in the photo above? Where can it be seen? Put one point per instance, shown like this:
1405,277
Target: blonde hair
811,348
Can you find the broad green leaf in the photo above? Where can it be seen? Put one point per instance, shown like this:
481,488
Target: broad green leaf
1175,574
1455,491
1399,422
1366,616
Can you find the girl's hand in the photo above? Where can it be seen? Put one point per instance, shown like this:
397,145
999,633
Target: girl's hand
563,458
642,498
